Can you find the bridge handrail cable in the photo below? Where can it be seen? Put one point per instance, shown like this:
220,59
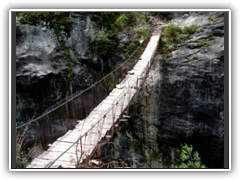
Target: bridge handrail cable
49,165
81,92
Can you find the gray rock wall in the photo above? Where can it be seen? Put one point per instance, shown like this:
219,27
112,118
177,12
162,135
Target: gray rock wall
42,71
42,66
39,62
182,100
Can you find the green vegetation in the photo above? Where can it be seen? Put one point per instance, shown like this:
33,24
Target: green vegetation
106,19
129,19
63,108
57,20
205,42
138,109
76,55
105,43
94,61
189,159
135,145
117,66
142,32
187,37
155,155
114,22
191,29
210,18
172,30
131,48
111,84
168,55
89,78
166,160
70,63
173,35
194,52
22,158
207,79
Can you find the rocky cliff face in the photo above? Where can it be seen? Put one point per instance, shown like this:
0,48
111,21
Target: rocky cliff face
182,98
180,101
42,66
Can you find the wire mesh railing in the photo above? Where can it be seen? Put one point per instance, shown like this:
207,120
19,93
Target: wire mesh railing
79,105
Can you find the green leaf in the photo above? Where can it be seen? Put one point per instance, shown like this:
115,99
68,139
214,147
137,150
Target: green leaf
185,152
197,164
189,149
196,154
183,165
189,164
183,157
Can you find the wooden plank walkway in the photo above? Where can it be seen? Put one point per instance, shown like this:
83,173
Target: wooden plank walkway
103,128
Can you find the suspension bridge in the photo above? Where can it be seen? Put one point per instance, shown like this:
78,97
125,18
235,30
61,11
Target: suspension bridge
80,144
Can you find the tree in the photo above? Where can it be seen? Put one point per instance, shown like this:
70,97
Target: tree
190,160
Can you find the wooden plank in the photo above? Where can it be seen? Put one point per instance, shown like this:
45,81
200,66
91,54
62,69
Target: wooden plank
125,116
95,162
94,136
68,140
41,163
53,155
58,143
67,157
72,150
64,148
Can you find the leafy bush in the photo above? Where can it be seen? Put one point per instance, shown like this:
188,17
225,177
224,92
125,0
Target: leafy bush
126,19
190,160
106,19
191,29
142,32
174,34
57,20
105,43
123,17
131,48
172,30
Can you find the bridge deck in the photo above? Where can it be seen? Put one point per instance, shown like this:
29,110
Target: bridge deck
129,87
